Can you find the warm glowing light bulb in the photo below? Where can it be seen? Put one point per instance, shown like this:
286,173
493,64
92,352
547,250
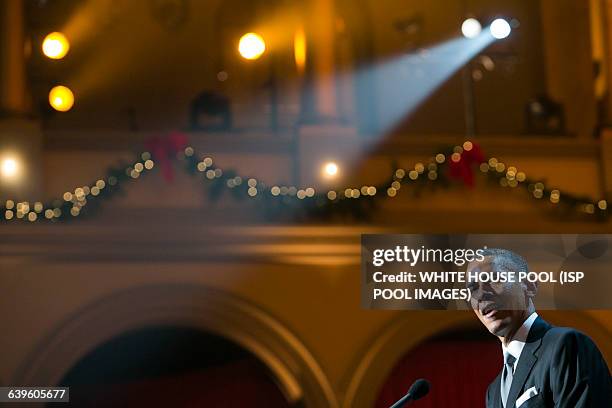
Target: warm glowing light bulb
61,98
299,49
471,28
9,167
330,169
251,46
500,28
55,45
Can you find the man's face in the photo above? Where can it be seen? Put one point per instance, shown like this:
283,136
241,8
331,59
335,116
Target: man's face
501,307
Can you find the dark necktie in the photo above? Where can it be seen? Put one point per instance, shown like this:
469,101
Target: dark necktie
506,380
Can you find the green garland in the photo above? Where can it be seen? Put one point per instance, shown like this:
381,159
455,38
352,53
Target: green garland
291,203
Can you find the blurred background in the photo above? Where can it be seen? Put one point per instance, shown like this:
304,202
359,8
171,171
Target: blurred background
183,186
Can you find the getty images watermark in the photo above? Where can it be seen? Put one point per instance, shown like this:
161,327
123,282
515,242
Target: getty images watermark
442,271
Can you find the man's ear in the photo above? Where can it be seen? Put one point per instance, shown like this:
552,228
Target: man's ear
531,288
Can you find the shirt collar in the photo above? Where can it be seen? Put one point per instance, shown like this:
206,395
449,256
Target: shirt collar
516,345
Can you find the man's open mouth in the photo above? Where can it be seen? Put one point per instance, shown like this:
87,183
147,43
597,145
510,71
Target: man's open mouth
489,310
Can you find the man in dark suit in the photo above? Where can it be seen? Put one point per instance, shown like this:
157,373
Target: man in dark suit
544,366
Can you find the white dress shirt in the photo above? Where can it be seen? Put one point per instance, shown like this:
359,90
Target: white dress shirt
516,345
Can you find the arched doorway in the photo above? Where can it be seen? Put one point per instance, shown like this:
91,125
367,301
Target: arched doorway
172,366
199,308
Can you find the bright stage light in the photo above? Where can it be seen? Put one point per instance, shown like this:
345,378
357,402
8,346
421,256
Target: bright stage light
500,28
330,169
251,46
299,49
9,168
61,98
55,45
471,28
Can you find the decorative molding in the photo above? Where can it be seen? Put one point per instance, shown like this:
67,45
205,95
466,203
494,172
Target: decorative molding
181,236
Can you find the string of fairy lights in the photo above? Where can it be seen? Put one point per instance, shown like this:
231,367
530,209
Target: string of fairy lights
356,201
458,163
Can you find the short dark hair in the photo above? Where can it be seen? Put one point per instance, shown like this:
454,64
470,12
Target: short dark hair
504,260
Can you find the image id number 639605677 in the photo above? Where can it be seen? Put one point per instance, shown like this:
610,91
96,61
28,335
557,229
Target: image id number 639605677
34,394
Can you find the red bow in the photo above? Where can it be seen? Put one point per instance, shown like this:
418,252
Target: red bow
164,148
463,169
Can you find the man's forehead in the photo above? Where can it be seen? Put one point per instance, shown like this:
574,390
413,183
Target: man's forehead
484,265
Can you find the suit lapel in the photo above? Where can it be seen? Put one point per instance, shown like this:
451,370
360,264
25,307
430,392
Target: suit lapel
527,360
525,364
497,401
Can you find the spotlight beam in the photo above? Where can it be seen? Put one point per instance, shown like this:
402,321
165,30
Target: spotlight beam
403,83
408,81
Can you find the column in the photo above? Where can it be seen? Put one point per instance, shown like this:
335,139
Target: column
320,84
568,62
606,162
13,95
20,136
606,23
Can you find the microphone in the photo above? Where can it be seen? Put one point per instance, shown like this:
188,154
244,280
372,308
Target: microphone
417,390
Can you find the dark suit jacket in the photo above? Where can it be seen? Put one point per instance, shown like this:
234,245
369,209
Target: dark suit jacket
564,365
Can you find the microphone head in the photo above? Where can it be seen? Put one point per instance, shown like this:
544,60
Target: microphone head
419,389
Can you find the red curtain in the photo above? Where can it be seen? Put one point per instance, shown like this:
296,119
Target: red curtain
459,372
238,384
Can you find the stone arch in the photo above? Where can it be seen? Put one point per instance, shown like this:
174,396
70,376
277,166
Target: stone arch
299,376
